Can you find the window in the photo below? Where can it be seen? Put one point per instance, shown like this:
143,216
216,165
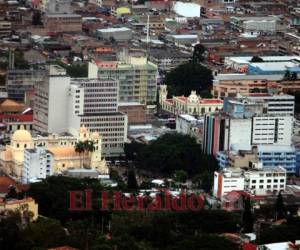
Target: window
261,181
253,181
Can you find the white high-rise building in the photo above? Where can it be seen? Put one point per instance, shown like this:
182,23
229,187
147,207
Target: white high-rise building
38,163
63,104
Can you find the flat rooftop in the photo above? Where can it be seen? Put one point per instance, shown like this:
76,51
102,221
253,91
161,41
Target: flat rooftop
113,29
236,77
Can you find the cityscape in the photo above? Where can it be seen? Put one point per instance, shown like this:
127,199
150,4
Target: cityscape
149,125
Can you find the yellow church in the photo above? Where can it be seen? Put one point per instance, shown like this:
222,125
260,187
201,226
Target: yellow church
62,148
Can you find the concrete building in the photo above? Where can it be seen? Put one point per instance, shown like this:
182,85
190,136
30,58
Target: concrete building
48,96
135,112
192,105
91,103
255,179
13,115
57,6
245,123
137,78
281,104
61,23
118,34
20,82
24,205
167,60
254,24
183,39
230,85
38,164
241,63
189,125
272,156
5,29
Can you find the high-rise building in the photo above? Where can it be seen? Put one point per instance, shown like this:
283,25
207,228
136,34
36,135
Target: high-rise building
248,122
63,104
137,78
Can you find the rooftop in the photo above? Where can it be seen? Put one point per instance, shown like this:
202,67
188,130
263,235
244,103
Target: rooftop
114,29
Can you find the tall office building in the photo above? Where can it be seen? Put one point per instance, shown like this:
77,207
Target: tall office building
63,104
137,78
248,122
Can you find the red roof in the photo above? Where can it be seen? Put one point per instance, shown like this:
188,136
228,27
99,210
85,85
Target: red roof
171,101
182,98
211,101
6,182
16,117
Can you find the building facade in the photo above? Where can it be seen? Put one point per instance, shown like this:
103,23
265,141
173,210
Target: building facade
19,82
16,158
63,23
137,78
248,122
38,163
192,105
92,103
135,112
256,180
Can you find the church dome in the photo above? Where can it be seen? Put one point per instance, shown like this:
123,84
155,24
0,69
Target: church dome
22,135
193,98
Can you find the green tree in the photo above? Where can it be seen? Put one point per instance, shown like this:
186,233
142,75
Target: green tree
280,233
187,77
204,180
247,216
205,242
280,210
180,176
80,148
294,76
132,149
46,233
256,59
198,53
287,75
89,148
131,179
175,152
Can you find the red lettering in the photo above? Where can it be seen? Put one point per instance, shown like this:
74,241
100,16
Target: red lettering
182,205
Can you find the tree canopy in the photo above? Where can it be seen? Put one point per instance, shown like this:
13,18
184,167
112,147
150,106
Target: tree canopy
172,152
198,53
187,77
256,59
